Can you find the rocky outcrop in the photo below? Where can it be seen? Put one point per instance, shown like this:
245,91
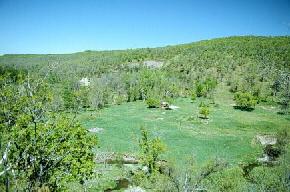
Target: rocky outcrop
270,152
266,140
167,106
164,105
153,64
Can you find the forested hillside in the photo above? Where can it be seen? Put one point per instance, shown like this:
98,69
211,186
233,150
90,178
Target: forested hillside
256,65
44,144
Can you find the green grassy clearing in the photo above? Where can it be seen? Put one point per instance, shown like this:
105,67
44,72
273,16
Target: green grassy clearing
228,133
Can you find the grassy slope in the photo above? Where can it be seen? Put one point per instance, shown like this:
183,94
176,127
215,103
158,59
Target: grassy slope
227,134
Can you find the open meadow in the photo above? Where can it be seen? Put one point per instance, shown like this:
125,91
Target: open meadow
227,133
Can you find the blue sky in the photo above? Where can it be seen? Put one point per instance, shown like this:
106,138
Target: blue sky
60,26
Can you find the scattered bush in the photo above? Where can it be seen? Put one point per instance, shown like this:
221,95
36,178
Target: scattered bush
152,103
204,110
245,100
200,90
193,96
204,88
150,150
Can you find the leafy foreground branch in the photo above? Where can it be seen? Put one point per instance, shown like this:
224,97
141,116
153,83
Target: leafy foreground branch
39,149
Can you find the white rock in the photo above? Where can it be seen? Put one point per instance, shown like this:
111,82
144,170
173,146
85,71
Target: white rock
84,82
134,189
96,130
173,107
264,159
266,139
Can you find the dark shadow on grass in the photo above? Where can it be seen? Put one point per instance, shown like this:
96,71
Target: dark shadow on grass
152,107
282,113
249,109
201,117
